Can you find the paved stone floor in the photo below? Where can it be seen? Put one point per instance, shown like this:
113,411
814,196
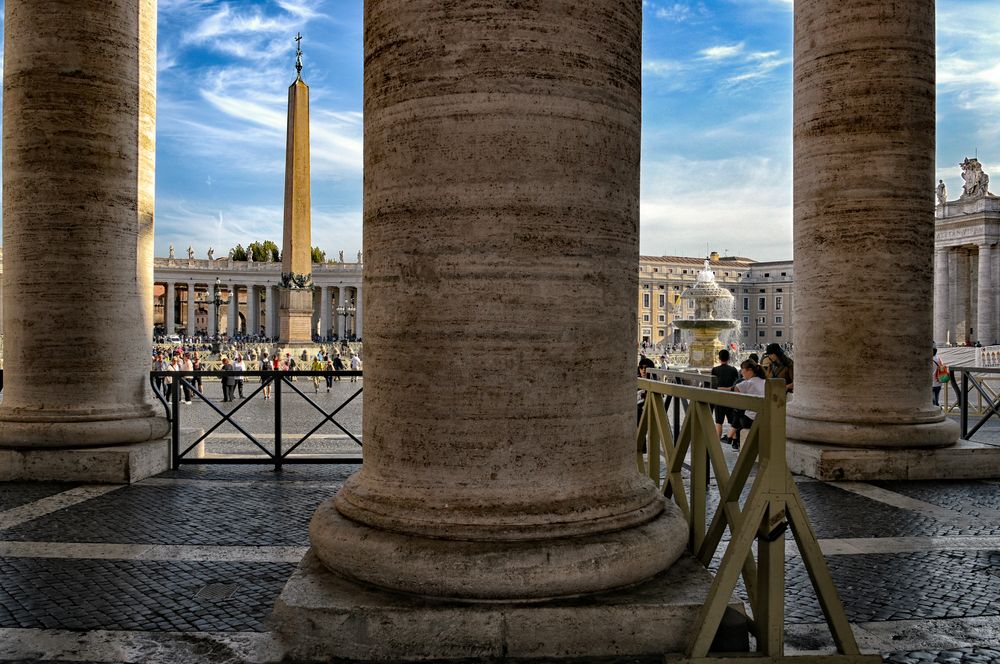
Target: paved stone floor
185,567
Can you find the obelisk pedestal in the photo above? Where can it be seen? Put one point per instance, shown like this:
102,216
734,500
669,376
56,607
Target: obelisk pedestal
79,118
499,485
864,160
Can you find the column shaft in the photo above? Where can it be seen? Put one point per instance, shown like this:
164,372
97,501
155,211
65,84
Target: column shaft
169,307
359,318
986,315
341,319
79,134
942,302
499,487
864,104
233,324
324,311
191,312
253,310
963,315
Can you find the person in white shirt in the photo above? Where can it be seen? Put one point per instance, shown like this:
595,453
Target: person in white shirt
187,366
355,366
239,366
752,384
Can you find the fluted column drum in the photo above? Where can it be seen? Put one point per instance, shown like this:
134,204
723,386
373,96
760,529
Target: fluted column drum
864,224
78,142
501,212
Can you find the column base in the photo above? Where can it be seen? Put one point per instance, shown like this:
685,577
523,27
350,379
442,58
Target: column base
498,569
119,464
82,433
963,461
321,616
882,435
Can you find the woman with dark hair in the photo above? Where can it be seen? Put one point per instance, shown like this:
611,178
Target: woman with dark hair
781,365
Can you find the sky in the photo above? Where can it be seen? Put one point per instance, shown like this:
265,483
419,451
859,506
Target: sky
717,160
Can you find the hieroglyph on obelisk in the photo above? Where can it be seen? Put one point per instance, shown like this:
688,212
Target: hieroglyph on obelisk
296,306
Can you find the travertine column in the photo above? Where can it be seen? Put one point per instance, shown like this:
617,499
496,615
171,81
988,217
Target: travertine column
864,107
78,140
169,304
192,312
253,310
359,318
324,311
963,316
516,479
213,315
985,313
942,302
996,289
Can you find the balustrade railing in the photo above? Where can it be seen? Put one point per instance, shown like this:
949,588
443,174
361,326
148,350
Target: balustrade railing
772,506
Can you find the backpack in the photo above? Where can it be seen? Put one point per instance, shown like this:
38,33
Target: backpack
941,372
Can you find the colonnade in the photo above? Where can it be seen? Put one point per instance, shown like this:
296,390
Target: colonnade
338,310
967,294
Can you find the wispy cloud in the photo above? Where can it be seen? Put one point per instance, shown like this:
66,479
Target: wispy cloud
722,51
678,12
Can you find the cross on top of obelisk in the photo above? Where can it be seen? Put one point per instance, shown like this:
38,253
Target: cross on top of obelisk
298,54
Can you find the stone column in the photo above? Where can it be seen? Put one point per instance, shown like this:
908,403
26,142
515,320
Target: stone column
516,480
232,325
272,311
325,320
213,314
864,104
985,313
996,289
942,303
359,318
253,310
192,313
169,306
79,130
341,319
963,316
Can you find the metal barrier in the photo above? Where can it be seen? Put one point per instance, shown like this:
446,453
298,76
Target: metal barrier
773,505
987,398
278,455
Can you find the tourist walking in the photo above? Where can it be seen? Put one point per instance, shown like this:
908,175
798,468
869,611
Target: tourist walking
239,367
355,366
187,366
338,365
329,376
316,365
196,363
939,376
266,365
228,380
726,376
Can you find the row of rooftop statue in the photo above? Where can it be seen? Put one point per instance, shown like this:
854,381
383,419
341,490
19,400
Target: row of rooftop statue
977,183
211,254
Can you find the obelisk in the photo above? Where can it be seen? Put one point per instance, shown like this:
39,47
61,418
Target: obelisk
296,297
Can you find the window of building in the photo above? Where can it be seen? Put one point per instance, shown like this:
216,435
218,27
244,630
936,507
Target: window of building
777,333
778,301
646,332
656,269
746,320
746,333
646,286
662,287
727,274
761,291
662,318
662,300
784,274
746,304
779,320
663,333
690,304
762,320
761,333
746,290
761,303
645,300
645,318
767,274
685,271
677,287
779,290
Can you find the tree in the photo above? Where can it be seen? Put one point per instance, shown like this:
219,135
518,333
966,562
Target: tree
263,252
239,253
318,256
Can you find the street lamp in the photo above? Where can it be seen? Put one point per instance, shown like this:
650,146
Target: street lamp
218,302
347,309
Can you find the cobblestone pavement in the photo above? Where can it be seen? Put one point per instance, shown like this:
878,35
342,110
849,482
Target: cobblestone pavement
186,566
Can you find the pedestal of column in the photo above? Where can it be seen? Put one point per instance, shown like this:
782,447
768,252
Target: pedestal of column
501,489
942,301
985,313
79,136
864,104
295,318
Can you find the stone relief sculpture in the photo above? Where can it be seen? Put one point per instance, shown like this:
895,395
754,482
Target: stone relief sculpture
942,193
190,253
977,183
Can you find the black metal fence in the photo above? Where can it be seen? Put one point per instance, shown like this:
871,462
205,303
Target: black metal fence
282,384
975,387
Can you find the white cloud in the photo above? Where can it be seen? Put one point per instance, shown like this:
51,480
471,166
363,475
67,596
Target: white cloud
722,52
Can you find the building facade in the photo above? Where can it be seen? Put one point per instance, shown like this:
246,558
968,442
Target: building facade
762,297
967,262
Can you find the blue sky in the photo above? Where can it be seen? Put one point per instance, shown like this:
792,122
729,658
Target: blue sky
716,170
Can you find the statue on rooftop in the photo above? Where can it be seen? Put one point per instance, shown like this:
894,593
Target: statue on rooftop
977,182
942,193
211,254
359,257
190,252
341,255
171,254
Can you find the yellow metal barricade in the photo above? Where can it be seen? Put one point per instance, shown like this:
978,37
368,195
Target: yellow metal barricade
772,507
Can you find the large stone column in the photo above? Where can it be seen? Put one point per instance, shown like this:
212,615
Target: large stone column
78,172
253,310
963,315
191,310
341,318
516,479
169,307
359,317
864,159
233,322
985,313
324,311
942,301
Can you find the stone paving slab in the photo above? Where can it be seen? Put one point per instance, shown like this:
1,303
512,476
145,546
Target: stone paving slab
265,514
136,595
15,494
977,499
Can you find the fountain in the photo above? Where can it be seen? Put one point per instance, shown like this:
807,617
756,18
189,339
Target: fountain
713,306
